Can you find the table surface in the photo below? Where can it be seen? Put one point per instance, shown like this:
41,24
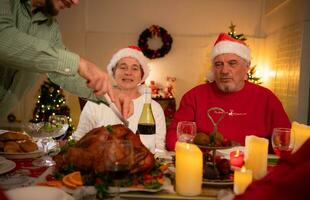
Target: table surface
38,174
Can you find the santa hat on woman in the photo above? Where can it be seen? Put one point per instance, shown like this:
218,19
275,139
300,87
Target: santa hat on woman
227,44
133,52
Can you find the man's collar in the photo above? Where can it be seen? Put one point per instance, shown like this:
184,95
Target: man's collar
36,14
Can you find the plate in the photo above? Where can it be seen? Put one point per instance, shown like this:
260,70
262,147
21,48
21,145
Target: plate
217,182
2,159
167,186
38,193
133,189
80,192
6,166
33,154
233,144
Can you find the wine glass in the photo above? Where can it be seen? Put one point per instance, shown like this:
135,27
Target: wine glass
45,132
118,156
282,140
186,131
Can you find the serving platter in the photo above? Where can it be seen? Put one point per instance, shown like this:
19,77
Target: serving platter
38,193
6,166
218,182
33,154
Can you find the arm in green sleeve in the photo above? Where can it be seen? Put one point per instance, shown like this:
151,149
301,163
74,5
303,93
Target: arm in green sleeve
22,51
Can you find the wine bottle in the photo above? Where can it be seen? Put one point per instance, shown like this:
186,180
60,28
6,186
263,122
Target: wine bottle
146,124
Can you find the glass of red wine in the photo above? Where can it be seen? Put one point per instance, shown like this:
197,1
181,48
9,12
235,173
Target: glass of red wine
118,156
282,140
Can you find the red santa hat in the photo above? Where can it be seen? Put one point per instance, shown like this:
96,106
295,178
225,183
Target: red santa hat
133,52
227,44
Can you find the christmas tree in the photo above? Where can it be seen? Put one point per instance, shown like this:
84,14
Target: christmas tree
51,101
251,74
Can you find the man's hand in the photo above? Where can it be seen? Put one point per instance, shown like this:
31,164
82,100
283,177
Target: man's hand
123,103
98,81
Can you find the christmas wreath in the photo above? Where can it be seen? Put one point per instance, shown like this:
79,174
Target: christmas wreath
151,32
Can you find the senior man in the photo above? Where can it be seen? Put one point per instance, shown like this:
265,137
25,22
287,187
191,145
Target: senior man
249,109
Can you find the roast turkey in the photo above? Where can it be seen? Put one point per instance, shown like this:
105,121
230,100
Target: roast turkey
86,154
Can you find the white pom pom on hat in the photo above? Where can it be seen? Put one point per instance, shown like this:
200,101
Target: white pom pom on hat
227,44
130,51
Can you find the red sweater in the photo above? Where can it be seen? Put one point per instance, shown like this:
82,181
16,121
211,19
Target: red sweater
254,110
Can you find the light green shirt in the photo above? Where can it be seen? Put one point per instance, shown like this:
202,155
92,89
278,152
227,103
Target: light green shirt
30,44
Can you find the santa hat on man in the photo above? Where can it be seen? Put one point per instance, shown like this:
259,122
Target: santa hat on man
133,52
227,44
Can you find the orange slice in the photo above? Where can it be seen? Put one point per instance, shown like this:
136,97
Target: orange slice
76,178
68,183
51,183
73,179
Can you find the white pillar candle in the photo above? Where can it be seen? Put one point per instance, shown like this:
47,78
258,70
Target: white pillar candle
189,168
301,133
242,179
256,155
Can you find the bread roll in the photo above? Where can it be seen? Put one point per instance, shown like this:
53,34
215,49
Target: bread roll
28,146
12,136
12,147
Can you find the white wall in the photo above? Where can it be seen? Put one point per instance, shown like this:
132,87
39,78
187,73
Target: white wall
286,24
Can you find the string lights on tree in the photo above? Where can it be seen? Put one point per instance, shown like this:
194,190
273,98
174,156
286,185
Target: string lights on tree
51,101
251,73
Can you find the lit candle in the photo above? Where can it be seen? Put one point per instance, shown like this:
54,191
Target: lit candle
236,158
242,179
301,133
256,155
188,175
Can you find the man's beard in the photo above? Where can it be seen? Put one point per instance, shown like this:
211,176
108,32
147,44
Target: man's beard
49,8
225,88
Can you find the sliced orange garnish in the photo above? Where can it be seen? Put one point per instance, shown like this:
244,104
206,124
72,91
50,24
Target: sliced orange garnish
67,182
52,183
73,179
76,178
163,168
160,180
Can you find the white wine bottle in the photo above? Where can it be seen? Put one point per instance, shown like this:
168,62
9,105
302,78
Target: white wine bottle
146,125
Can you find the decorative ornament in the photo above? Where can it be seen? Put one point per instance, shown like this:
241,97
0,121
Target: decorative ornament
169,89
152,32
154,89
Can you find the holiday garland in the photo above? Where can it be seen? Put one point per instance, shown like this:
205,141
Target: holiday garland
151,32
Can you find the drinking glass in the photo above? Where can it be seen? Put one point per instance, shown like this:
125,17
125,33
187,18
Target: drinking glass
186,131
45,132
118,156
282,140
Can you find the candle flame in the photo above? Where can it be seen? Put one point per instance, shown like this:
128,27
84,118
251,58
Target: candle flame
237,153
243,169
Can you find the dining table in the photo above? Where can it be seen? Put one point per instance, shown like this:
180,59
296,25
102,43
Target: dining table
25,174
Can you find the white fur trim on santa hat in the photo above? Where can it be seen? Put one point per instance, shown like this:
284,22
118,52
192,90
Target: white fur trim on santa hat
227,46
130,52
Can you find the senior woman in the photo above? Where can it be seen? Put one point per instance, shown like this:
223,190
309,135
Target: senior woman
129,69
